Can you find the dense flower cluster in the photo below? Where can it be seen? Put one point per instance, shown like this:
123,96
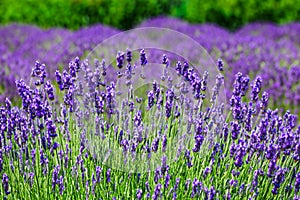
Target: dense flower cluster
45,146
266,49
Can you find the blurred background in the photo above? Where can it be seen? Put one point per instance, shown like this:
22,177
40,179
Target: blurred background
125,14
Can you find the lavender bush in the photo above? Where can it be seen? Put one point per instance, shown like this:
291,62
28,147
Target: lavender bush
47,150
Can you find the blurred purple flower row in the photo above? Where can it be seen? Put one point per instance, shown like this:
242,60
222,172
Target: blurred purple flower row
266,49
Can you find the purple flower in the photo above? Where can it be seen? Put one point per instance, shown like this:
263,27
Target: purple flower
25,93
55,178
72,69
240,153
198,142
244,85
187,184
99,103
206,171
271,151
212,193
108,175
31,179
137,119
233,182
164,143
33,153
296,154
155,144
188,158
120,59
196,187
248,120
128,55
110,98
5,183
156,193
61,185
264,101
185,68
167,181
297,183
51,128
168,109
272,167
228,196
7,104
150,99
157,175
49,89
139,194
39,71
178,67
44,161
225,132
165,60
176,184
204,81
143,57
220,64
255,179
174,196
235,128
59,80
256,87
278,179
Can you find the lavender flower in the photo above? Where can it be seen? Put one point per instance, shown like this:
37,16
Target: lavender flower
120,59
220,64
150,99
212,193
188,158
108,175
167,181
256,87
51,128
176,184
138,119
39,71
264,101
156,193
198,142
178,67
187,184
165,60
297,183
277,180
128,55
155,144
55,178
143,57
5,183
235,127
139,194
157,175
196,187
61,185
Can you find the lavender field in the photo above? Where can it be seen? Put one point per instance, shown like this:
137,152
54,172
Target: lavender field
78,128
